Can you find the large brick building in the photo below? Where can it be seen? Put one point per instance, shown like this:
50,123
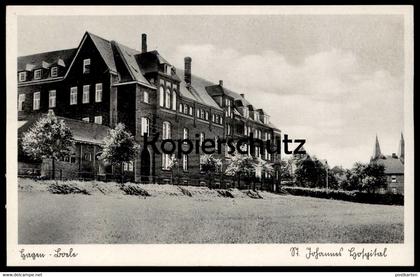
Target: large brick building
103,83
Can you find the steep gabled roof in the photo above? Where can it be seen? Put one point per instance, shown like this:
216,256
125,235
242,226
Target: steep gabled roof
197,90
53,57
392,165
105,49
129,56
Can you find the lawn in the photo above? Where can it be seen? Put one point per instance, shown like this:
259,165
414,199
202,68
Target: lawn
170,217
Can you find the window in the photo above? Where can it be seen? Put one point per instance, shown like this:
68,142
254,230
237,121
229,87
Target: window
185,133
216,140
186,109
54,71
207,115
213,118
181,108
166,161
52,99
98,119
146,97
86,66
98,92
266,119
221,120
22,76
190,110
393,179
20,101
197,113
87,157
73,96
256,116
184,162
168,99
228,129
394,190
202,114
86,119
245,112
174,100
166,130
128,166
161,96
38,74
144,126
85,98
37,100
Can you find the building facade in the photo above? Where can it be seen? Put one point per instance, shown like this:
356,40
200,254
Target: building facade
393,165
103,83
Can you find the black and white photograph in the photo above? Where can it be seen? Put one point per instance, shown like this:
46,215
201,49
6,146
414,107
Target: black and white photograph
236,127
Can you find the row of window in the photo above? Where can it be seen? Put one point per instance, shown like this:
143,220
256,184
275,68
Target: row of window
52,97
53,72
96,119
23,76
200,113
167,99
257,133
265,118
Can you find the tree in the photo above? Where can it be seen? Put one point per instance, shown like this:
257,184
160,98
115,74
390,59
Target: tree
48,138
374,177
240,165
264,166
210,165
119,147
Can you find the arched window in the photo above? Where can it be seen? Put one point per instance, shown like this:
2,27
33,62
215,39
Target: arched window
161,96
168,99
181,108
174,99
166,130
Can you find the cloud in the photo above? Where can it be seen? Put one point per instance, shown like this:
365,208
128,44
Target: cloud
328,98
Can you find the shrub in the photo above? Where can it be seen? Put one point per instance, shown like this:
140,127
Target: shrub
66,189
134,190
353,196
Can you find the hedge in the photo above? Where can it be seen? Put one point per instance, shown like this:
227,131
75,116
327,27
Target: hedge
353,196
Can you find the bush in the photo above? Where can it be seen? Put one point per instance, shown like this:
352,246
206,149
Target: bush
66,189
353,196
134,190
225,193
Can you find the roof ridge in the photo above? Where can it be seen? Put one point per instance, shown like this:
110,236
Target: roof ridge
46,52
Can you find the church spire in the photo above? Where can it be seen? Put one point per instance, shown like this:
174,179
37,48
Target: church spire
377,150
401,148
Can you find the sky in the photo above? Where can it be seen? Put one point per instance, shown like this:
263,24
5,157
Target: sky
334,80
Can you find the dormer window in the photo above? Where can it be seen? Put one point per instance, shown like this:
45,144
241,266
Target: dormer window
22,76
54,71
86,66
246,112
38,74
266,119
168,69
256,116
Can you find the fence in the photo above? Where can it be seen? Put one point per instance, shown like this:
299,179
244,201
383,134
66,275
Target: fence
216,181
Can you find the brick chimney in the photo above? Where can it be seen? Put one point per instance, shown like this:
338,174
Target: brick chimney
143,43
221,83
187,70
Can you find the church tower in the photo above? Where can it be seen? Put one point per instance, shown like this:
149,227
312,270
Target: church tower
377,150
401,149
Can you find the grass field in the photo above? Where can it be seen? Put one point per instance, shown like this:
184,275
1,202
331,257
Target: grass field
169,218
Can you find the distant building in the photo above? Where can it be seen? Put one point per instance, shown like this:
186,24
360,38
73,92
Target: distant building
394,166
